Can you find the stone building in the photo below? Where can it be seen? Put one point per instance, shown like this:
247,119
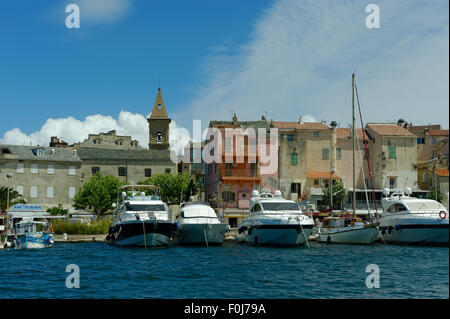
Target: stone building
42,175
109,140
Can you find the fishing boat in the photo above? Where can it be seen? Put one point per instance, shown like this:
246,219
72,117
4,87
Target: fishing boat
410,220
30,234
199,224
347,228
273,220
142,220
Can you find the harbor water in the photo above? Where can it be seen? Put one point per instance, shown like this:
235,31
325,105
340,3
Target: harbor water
229,271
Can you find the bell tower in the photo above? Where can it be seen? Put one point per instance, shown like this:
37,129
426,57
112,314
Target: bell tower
158,123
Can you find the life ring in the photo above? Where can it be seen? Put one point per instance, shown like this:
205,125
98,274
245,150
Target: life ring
442,214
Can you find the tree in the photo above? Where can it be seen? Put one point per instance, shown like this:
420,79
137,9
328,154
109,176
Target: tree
171,186
98,193
14,198
56,211
338,194
432,195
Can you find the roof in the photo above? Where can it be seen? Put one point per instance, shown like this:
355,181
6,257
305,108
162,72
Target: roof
324,175
301,126
241,124
389,130
421,128
343,133
159,110
156,156
438,133
57,154
442,172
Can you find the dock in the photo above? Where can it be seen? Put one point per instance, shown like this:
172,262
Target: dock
79,238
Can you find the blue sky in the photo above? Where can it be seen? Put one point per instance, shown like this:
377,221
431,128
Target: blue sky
283,58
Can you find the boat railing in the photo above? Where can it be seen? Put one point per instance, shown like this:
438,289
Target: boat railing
415,213
201,219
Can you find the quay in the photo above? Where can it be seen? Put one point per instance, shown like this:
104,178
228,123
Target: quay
79,238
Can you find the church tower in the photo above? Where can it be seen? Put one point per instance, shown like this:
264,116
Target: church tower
158,123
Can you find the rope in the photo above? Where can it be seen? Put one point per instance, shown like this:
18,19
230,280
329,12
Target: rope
206,238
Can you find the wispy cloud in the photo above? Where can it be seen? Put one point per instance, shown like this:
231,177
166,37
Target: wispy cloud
302,55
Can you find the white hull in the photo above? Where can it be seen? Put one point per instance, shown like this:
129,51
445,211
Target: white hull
277,236
347,235
195,233
151,240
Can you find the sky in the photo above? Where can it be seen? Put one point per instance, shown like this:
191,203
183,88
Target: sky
278,58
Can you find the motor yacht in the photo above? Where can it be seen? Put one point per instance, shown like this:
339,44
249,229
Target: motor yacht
199,224
142,220
410,220
273,220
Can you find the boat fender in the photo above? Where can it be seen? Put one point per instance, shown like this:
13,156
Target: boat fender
328,239
175,224
383,230
442,214
397,227
390,229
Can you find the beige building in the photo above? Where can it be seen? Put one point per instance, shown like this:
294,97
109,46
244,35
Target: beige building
393,156
42,175
109,140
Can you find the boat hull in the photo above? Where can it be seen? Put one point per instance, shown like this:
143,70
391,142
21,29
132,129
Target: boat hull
194,234
278,235
131,233
424,234
348,235
33,241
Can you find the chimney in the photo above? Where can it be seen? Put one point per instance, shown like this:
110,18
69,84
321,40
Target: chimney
234,119
300,120
263,118
323,122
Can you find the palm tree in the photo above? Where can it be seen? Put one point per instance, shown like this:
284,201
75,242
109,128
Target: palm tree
14,198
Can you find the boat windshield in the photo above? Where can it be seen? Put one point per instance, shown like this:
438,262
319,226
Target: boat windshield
145,207
280,206
425,206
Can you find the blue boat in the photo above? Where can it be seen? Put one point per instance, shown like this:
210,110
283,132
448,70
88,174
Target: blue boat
26,235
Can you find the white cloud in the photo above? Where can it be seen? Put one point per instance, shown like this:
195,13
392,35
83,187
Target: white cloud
302,54
72,130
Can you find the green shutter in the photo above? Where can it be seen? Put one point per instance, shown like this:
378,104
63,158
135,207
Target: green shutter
325,154
294,159
392,151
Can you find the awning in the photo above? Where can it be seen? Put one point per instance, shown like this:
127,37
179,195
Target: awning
318,175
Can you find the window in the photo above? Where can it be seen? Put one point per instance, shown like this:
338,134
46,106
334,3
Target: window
20,168
122,171
392,182
71,191
167,170
72,170
424,177
392,151
325,153
316,182
290,137
420,140
19,189
159,137
34,168
228,196
148,172
33,191
294,159
338,153
253,169
39,152
95,170
316,133
228,169
50,192
50,169
295,188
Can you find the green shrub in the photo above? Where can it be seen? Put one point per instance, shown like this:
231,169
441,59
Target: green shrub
97,227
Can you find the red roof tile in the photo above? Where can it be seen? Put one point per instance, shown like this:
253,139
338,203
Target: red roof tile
442,172
389,130
343,133
438,133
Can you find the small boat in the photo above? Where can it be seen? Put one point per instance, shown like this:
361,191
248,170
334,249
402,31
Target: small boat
27,236
199,224
142,220
273,220
345,230
410,220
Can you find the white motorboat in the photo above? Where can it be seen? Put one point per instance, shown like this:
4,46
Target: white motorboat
199,224
142,220
345,230
410,220
28,236
273,220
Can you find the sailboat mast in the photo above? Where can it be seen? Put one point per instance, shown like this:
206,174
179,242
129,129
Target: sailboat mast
353,145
